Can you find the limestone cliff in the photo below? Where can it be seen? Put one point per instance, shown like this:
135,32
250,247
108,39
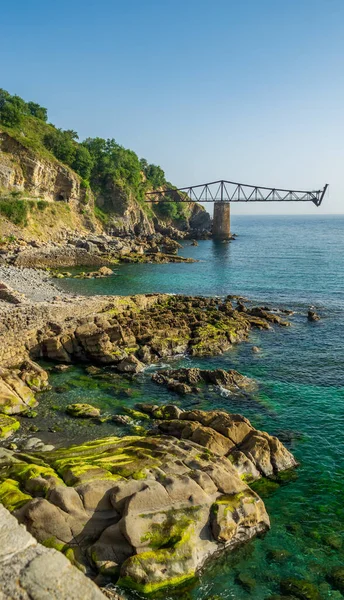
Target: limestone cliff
66,204
25,170
53,196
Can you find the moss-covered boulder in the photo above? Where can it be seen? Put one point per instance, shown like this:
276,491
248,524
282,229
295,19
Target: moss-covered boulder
82,410
304,590
336,578
15,395
146,510
8,425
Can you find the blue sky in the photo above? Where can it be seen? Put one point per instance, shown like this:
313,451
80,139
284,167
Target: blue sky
249,91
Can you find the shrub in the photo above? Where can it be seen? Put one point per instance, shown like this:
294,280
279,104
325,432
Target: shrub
42,204
15,211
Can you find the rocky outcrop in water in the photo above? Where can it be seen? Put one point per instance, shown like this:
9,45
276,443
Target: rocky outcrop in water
107,330
184,381
147,511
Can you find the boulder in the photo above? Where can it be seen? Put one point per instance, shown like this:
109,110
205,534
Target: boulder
105,271
8,425
15,395
83,411
130,364
151,509
312,315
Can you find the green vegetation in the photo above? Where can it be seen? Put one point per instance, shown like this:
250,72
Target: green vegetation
14,210
105,166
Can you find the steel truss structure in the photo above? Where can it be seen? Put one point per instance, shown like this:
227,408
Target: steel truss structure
229,191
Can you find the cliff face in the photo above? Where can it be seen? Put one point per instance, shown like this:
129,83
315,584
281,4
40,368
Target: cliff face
30,175
23,169
126,215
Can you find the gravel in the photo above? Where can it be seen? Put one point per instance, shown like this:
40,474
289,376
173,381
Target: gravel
35,284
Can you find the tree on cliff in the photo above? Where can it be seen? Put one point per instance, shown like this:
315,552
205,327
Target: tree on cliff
14,108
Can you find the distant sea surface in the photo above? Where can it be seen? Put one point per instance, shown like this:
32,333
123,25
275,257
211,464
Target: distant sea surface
289,262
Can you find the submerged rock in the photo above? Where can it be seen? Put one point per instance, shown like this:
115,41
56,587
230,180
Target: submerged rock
304,590
150,510
82,410
336,578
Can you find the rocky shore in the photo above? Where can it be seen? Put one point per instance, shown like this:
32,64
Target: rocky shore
90,251
147,510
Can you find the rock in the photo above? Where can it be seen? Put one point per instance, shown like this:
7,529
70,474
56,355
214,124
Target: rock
277,555
82,410
29,570
194,243
171,502
8,425
183,380
246,582
256,349
105,330
61,368
15,395
121,419
105,271
336,578
130,364
312,315
304,590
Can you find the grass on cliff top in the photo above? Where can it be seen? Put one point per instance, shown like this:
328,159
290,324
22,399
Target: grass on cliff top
30,134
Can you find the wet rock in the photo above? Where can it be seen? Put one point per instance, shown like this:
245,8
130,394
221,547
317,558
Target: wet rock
83,411
336,578
8,425
256,349
312,315
105,271
184,380
130,364
61,368
15,395
171,502
304,590
121,419
246,582
277,555
333,541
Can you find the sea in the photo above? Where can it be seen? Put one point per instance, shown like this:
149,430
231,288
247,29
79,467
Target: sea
289,262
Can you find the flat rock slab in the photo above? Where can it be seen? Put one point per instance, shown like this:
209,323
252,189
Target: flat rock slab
29,571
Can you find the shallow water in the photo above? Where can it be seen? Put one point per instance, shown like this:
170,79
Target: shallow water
282,261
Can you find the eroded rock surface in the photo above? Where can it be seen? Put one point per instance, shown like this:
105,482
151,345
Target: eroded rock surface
17,387
29,570
184,380
147,511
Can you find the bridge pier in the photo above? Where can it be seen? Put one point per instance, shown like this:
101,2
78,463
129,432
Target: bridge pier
221,220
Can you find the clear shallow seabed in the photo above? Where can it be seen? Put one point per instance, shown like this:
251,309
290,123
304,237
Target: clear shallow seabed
289,262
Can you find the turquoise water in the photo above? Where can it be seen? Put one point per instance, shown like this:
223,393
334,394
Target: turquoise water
292,262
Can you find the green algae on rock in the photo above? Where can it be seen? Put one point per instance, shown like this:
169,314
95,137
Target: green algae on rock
147,510
8,425
81,410
304,590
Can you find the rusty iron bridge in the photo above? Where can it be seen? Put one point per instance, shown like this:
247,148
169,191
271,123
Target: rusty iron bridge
223,192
